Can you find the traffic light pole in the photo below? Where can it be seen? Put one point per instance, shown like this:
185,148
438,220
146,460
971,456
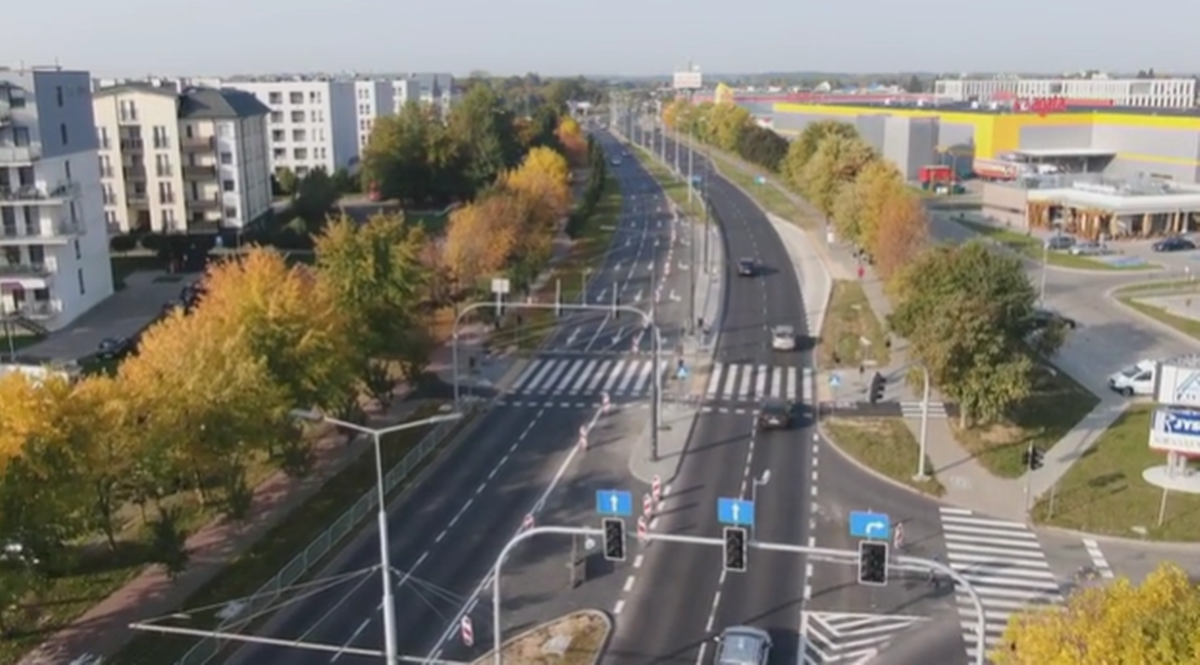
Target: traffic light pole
823,554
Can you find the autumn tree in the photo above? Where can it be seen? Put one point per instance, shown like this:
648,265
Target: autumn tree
728,122
836,164
859,203
802,150
1157,622
571,138
968,313
480,237
901,233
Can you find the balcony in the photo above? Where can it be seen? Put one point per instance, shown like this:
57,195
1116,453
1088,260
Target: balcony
36,234
128,118
38,310
198,143
19,155
203,226
32,270
200,172
132,145
210,203
34,194
138,200
137,172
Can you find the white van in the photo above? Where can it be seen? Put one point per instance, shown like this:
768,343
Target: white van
1135,380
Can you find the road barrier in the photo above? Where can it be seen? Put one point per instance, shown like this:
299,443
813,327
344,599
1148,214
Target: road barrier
208,648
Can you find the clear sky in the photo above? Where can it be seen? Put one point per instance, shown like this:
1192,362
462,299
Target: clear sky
634,37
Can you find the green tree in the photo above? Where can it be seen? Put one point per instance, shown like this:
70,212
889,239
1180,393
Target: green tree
801,150
484,130
316,195
729,122
286,180
836,164
397,155
762,146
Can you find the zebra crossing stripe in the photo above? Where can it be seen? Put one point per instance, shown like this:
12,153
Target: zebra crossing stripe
634,376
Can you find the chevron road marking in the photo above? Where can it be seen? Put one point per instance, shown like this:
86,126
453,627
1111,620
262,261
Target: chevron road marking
827,638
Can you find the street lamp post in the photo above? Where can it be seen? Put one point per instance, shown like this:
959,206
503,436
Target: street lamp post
391,648
921,475
756,483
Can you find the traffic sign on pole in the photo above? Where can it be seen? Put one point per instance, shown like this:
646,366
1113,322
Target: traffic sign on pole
647,505
643,529
528,522
656,488
614,502
468,631
870,525
737,512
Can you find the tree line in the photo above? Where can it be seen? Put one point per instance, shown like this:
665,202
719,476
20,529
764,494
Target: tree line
968,312
207,393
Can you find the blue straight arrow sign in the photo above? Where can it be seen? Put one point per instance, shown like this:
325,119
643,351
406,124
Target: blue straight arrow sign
735,511
614,502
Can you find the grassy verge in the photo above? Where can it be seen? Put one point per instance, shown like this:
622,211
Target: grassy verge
848,322
674,187
1104,492
1031,247
584,634
279,545
1132,297
1056,406
1166,286
885,445
768,195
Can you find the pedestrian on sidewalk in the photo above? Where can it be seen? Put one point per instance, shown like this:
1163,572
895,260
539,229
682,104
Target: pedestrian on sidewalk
861,271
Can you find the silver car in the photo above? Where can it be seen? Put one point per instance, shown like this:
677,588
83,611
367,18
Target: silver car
1089,248
742,645
783,338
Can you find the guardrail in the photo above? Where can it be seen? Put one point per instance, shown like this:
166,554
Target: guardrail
208,648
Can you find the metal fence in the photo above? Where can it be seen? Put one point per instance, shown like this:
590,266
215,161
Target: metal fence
206,650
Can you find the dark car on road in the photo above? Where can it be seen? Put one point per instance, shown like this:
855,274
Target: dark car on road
747,268
743,645
1044,318
775,414
115,348
1173,244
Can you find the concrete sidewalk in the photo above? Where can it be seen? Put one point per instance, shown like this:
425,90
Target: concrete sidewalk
967,483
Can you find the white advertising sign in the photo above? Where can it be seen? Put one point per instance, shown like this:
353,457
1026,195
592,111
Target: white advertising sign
500,285
687,81
1178,386
1175,430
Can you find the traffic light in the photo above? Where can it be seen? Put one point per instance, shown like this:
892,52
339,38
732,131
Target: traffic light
614,539
1033,458
877,385
735,549
872,562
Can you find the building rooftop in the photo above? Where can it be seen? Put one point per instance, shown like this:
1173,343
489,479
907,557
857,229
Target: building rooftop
1065,152
968,107
1121,196
213,104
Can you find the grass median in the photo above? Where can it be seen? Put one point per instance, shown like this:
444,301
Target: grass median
1031,247
575,639
246,574
1133,297
1103,492
852,336
675,188
768,195
886,445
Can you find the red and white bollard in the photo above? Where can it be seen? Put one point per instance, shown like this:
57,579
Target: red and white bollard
467,631
656,489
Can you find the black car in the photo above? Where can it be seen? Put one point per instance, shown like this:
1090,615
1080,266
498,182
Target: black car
747,268
1173,244
775,414
1044,318
115,348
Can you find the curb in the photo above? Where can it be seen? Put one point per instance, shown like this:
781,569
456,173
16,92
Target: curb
1121,540
599,614
1112,296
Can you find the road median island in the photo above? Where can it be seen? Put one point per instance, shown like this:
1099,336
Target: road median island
579,638
886,445
675,187
1030,247
280,545
1104,492
1170,302
851,335
768,195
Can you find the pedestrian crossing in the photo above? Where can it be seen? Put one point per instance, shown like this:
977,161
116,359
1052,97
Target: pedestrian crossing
634,377
1004,562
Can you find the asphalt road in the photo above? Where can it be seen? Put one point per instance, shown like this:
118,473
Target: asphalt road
446,534
686,598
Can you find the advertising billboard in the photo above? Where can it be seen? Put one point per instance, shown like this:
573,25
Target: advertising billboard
1176,430
1178,385
687,80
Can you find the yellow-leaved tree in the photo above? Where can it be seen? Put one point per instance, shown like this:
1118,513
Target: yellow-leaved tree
480,237
901,233
836,164
1156,622
570,136
543,180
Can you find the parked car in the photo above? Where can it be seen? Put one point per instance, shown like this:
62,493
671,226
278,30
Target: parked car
783,338
1044,318
1090,248
1173,244
747,267
1058,243
115,348
775,413
742,645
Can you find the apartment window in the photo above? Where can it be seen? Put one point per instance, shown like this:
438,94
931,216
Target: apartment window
279,153
105,167
297,116
275,98
227,185
162,166
231,213
79,276
62,133
320,131
276,117
278,136
318,116
78,253
127,111
296,98
300,153
160,137
166,194
74,213
320,153
301,171
37,255
298,135
110,217
110,197
67,169
102,138
314,97
226,158
168,217
224,129
16,99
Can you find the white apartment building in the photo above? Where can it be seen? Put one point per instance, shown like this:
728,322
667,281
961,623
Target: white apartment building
1177,93
54,262
313,122
434,89
372,99
181,162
